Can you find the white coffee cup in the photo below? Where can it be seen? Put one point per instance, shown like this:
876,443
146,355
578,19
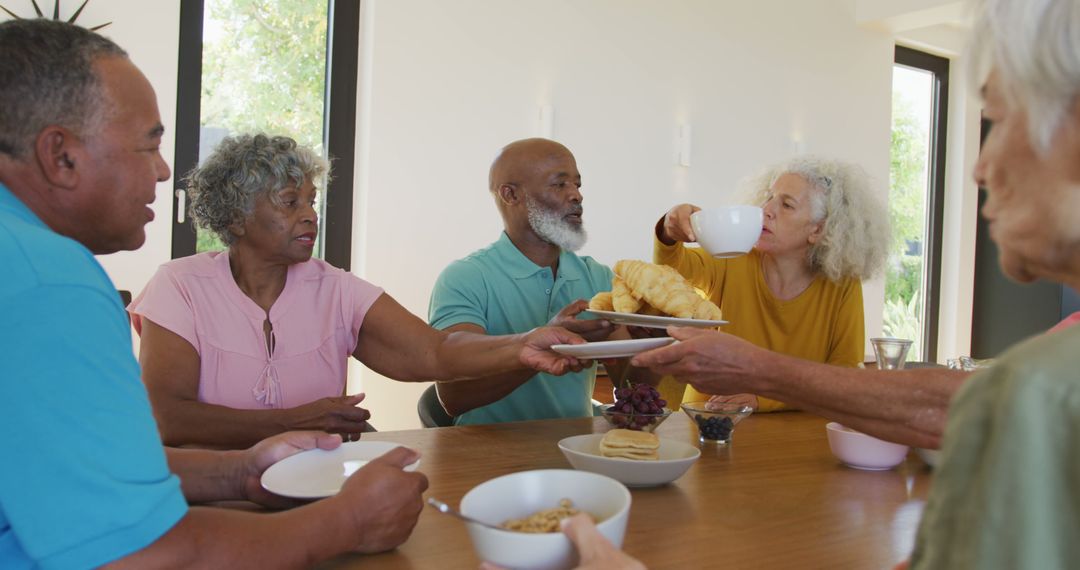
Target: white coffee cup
727,231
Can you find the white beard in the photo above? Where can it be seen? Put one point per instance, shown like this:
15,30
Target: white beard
552,228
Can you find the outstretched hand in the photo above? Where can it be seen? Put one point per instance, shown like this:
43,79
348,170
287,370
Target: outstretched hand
269,451
591,330
537,353
712,362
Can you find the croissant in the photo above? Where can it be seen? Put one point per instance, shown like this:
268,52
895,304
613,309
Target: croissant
663,288
622,298
601,302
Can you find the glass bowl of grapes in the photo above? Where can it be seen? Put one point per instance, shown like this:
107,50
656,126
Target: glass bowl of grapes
637,407
716,420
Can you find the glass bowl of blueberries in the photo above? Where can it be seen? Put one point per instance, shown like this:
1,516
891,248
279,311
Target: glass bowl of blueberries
716,420
637,407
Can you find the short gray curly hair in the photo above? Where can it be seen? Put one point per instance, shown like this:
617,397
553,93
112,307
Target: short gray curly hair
223,189
47,78
855,237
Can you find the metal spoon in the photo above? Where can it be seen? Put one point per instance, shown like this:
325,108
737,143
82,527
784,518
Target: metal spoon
447,509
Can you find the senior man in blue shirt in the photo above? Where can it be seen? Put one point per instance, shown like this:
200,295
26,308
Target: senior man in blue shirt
85,480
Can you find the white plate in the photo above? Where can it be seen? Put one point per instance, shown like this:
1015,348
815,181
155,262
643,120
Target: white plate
318,473
676,457
611,348
654,321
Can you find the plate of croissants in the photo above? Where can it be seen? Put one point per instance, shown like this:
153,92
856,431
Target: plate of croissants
655,296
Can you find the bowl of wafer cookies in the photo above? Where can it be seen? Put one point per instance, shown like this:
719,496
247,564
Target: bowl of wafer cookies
634,458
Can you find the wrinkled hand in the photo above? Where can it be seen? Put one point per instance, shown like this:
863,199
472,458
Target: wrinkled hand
712,362
537,353
591,330
677,224
269,451
332,415
738,399
385,501
595,552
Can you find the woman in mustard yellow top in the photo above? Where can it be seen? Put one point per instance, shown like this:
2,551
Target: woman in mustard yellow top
799,291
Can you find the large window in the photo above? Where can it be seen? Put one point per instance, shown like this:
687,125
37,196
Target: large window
917,181
275,66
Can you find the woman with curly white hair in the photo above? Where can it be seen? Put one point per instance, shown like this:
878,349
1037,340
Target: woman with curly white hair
253,341
799,290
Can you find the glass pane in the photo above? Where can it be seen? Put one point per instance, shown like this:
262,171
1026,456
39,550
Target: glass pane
264,69
905,279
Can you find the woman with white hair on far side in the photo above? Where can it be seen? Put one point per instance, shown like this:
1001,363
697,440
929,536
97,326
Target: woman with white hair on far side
799,290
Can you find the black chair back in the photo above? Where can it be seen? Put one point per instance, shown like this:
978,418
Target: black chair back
431,411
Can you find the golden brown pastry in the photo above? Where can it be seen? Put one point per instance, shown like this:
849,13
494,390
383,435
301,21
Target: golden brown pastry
630,444
662,287
622,298
601,302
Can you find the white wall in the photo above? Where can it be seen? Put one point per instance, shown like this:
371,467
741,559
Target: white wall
445,84
150,33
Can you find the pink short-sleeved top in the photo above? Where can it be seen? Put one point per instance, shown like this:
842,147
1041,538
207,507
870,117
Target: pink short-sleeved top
315,320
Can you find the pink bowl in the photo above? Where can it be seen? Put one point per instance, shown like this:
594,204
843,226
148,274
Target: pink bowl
861,451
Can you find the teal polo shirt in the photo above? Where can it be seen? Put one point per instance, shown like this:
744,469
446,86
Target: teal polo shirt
84,479
502,291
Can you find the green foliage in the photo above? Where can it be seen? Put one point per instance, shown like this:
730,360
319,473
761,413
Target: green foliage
901,321
907,175
267,70
208,241
907,212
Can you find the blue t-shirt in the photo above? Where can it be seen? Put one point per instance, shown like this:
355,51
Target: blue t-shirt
504,292
84,478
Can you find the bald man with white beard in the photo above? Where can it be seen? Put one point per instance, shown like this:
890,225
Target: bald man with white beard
528,278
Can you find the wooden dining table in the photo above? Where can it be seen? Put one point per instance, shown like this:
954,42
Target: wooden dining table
775,497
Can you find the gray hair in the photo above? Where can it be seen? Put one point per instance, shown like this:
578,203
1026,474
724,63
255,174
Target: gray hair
855,236
222,191
47,78
1035,47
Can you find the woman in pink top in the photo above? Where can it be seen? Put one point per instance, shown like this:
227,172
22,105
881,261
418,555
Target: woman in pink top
246,343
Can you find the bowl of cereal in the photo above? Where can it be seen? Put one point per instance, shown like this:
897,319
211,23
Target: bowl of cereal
533,502
673,459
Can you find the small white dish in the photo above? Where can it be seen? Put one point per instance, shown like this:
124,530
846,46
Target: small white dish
653,321
676,458
611,348
319,473
861,451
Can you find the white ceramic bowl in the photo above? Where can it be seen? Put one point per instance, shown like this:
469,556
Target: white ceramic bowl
861,451
521,494
676,457
727,231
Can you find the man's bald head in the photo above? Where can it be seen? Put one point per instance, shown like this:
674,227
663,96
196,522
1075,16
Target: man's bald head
520,160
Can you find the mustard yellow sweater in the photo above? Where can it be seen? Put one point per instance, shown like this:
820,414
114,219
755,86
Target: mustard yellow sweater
823,324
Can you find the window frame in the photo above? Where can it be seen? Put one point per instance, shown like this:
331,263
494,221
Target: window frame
938,67
339,125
